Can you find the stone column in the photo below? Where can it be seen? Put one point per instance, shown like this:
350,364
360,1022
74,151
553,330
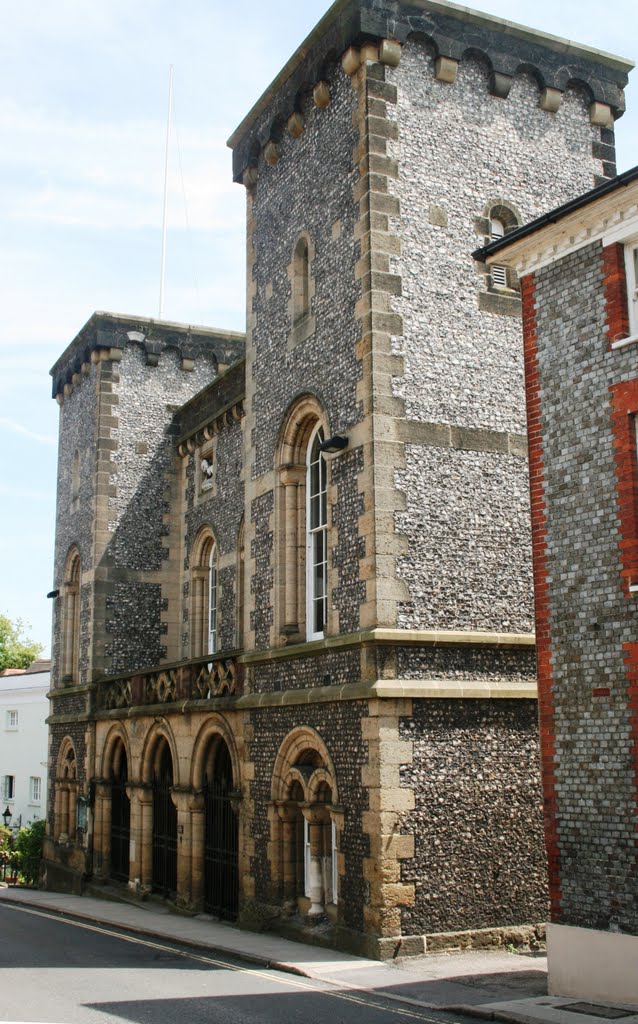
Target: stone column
73,800
288,814
102,829
182,799
57,811
291,478
144,838
315,815
63,834
198,821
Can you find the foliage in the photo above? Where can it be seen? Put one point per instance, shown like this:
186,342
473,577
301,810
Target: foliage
5,841
16,649
28,851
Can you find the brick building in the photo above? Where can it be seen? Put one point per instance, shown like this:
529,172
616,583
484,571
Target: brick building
294,662
579,274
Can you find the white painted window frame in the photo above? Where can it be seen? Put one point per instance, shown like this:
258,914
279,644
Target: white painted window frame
35,789
12,719
212,623
631,268
316,535
498,273
9,787
333,852
306,858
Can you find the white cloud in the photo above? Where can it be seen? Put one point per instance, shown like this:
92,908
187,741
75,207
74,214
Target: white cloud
33,435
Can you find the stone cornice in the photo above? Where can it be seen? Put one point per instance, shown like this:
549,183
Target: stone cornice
396,637
452,30
380,689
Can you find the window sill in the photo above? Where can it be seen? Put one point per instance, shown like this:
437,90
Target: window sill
623,342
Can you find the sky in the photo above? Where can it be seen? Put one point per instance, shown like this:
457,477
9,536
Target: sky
83,97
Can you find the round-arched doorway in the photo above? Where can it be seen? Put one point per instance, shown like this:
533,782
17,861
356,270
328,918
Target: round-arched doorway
164,879
120,816
221,834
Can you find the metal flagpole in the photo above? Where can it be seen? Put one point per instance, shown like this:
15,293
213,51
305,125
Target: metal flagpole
168,131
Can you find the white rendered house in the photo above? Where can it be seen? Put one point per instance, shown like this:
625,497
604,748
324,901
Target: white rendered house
24,708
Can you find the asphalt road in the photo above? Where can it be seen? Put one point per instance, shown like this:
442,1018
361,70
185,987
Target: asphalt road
62,971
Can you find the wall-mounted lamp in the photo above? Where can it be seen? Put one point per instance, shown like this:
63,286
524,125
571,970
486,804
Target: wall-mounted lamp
332,445
6,815
53,593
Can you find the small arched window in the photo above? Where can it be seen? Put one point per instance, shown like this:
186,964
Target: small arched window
301,281
316,538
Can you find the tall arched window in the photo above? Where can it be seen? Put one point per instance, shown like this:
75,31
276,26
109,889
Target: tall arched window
204,595
212,600
316,539
302,532
70,639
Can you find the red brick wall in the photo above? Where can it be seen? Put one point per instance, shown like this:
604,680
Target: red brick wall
541,589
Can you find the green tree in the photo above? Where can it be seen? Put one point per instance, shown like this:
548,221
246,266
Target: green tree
16,649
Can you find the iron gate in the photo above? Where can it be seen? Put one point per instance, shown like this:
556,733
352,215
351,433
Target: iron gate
221,875
120,825
164,829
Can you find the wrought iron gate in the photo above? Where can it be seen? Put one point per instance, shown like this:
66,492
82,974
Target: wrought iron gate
120,824
164,829
221,876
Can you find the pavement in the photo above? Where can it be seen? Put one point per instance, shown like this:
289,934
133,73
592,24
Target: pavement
487,984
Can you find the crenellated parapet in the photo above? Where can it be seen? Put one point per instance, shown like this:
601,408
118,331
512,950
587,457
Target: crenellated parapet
105,336
360,31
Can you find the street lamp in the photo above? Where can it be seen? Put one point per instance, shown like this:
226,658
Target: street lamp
7,817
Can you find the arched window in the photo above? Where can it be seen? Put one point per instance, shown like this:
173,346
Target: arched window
212,600
316,539
204,595
301,281
307,822
498,219
65,794
70,639
302,581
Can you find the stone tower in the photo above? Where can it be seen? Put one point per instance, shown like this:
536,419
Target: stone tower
345,542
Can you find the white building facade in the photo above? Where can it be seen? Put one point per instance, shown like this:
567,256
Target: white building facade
24,707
